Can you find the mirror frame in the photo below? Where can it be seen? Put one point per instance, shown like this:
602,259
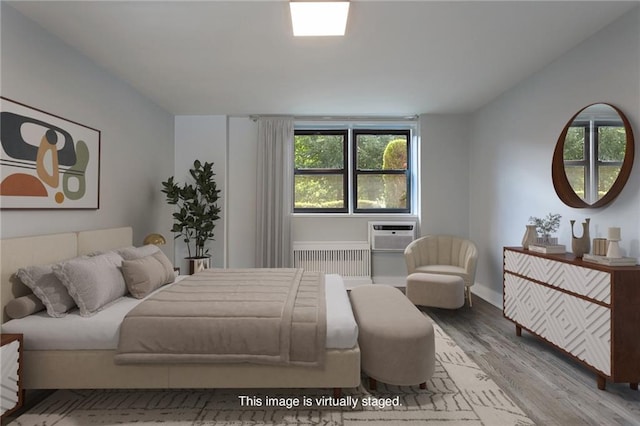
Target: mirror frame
561,183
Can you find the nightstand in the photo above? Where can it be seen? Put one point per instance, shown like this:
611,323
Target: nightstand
12,394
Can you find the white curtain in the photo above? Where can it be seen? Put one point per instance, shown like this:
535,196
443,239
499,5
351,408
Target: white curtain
275,187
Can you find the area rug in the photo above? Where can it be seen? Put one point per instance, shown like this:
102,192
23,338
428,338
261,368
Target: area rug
459,393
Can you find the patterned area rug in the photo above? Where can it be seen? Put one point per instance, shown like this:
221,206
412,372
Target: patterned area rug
459,393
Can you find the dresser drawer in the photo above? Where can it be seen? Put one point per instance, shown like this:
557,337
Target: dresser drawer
591,283
580,327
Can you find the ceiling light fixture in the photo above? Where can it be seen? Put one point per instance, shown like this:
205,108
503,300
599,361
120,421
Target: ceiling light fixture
319,18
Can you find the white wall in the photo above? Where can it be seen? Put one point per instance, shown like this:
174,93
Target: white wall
513,140
136,141
202,138
444,164
241,198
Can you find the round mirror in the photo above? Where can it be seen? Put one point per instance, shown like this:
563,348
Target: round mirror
593,157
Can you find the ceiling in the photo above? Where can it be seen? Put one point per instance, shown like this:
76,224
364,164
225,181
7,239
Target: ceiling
397,58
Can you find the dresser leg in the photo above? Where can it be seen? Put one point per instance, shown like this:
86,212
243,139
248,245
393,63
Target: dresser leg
518,330
602,382
633,386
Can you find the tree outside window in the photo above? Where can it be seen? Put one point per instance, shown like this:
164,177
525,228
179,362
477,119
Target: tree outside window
320,179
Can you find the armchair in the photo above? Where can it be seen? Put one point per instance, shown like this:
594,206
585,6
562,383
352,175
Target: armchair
443,254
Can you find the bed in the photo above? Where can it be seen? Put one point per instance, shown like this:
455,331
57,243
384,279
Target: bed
47,366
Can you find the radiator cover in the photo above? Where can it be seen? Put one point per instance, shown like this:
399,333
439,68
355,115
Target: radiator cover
349,259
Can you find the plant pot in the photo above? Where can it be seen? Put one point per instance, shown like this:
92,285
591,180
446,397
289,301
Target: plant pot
198,264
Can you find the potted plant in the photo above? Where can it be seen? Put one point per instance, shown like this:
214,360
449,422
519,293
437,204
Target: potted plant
197,212
546,226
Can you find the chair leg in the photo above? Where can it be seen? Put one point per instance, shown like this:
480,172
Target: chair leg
469,296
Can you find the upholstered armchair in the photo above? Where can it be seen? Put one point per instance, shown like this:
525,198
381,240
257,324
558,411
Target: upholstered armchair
443,254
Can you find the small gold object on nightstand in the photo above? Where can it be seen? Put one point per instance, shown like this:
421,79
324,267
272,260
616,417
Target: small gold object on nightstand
156,239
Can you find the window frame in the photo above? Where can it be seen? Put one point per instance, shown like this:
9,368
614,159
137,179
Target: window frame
349,172
325,172
356,172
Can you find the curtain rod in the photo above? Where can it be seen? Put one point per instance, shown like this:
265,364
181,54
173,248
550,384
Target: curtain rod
339,117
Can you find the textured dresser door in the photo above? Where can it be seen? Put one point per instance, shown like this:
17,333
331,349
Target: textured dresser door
10,361
588,311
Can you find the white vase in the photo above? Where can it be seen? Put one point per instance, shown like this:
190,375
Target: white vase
529,236
613,250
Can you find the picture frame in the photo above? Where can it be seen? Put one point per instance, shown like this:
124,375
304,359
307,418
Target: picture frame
47,161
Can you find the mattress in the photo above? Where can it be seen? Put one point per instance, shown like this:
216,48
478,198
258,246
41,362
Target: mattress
101,331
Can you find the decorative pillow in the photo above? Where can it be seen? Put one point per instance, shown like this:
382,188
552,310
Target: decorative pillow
132,253
146,274
24,306
48,288
92,282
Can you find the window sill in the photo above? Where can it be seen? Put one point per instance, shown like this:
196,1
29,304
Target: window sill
359,215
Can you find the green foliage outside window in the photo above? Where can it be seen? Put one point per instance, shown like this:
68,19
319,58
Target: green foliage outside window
320,165
395,186
319,151
370,157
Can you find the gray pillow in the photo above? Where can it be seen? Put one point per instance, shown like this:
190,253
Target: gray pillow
146,274
24,306
131,253
92,282
48,288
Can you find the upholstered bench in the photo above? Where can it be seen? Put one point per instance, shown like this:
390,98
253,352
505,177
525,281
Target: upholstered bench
435,290
396,340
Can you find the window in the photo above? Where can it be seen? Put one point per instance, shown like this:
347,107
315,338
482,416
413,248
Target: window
593,157
320,174
353,170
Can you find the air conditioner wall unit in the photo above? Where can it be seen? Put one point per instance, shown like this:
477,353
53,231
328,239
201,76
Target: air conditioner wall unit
391,236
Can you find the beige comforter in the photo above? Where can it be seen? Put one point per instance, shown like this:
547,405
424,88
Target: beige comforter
269,316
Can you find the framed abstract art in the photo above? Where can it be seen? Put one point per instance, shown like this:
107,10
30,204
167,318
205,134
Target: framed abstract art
47,162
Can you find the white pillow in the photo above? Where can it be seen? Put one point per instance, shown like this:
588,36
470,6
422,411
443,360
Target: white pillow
93,282
48,288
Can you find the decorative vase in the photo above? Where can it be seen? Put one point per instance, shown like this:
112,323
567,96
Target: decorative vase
613,250
581,245
197,264
529,236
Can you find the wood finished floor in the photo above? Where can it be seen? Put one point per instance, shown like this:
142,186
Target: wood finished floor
549,386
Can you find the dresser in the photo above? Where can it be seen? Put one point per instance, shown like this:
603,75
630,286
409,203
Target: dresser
589,311
11,395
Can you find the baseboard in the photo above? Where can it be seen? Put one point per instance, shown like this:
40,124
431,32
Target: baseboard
485,293
394,281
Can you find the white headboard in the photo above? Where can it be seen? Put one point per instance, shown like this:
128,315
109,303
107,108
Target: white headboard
104,239
17,253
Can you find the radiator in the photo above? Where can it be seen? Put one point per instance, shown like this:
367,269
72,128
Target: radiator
349,259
